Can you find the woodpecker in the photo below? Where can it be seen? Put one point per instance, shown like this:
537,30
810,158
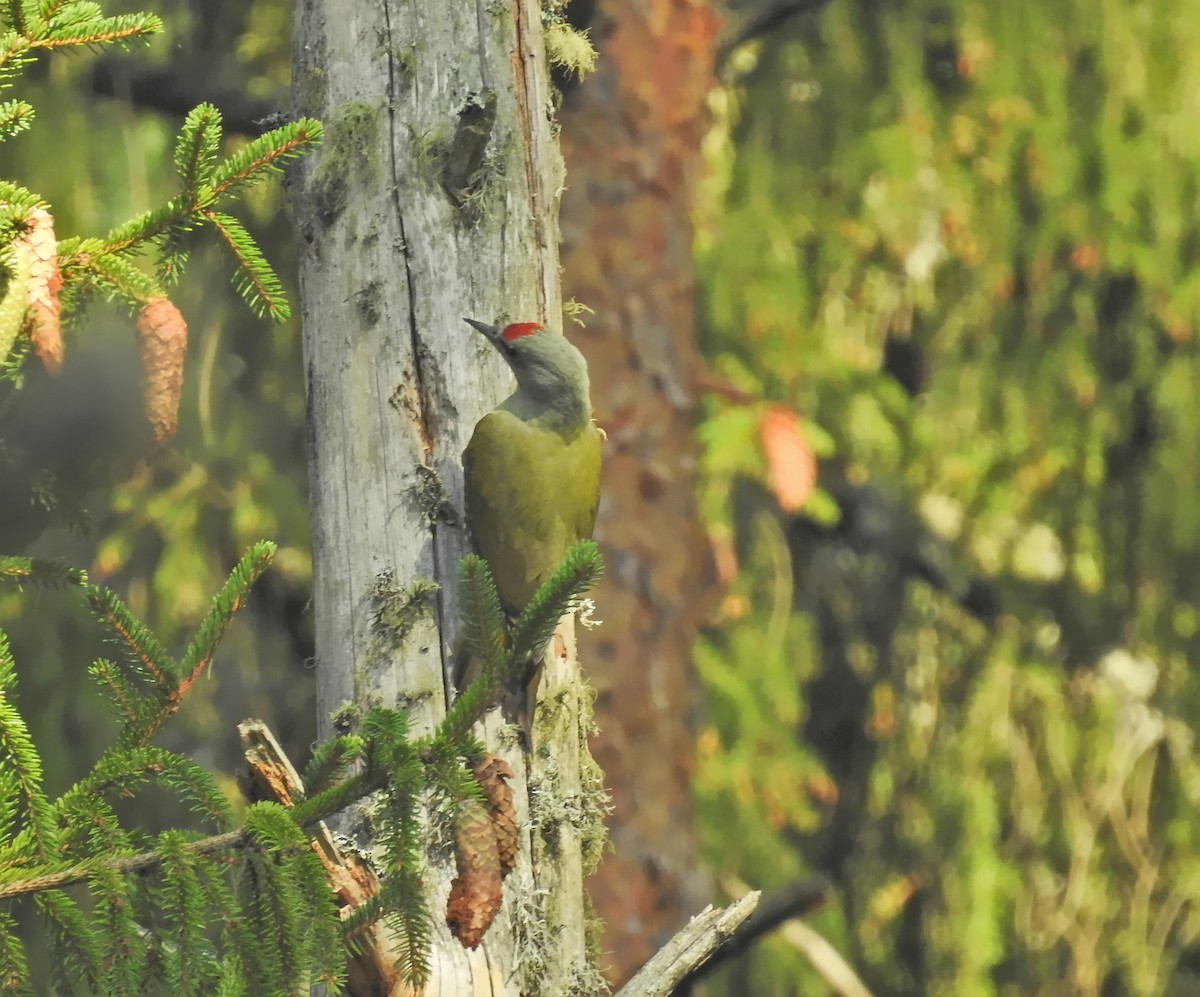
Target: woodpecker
532,466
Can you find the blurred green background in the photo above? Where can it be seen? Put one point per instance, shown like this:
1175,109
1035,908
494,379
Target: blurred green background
961,240
958,243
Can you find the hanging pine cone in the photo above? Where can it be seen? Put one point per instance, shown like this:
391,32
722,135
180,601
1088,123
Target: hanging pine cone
493,773
475,892
45,281
162,334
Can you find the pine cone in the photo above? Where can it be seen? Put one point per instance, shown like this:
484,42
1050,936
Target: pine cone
162,333
45,281
493,773
475,892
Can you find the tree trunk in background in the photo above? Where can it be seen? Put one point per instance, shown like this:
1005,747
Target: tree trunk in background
631,139
434,196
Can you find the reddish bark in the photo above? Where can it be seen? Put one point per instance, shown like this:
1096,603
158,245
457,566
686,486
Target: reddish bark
631,138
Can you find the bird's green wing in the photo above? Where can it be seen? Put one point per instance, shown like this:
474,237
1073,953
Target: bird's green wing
587,473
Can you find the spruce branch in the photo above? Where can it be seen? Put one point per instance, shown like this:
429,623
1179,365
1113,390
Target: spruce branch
485,639
291,904
14,970
16,116
19,754
410,923
47,573
205,183
505,654
10,800
15,11
15,54
40,879
269,827
265,155
480,695
187,957
126,236
448,778
400,846
118,277
45,9
287,896
124,949
172,258
195,786
110,677
17,206
69,37
64,24
79,839
155,663
74,941
385,733
356,924
86,30
215,883
147,717
121,774
15,303
329,762
336,797
18,200
557,596
197,146
256,282
104,264
233,977
225,605
273,923
484,634
100,834
325,933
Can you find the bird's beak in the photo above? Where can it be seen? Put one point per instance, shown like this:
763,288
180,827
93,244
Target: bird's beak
491,331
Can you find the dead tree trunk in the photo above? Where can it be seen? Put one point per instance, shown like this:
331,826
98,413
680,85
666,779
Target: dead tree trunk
435,196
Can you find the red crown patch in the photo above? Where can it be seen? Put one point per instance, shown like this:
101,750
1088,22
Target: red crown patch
519,329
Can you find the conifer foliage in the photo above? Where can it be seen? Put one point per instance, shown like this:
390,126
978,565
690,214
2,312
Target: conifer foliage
238,907
245,906
50,279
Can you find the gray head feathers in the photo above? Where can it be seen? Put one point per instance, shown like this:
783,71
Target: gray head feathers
552,376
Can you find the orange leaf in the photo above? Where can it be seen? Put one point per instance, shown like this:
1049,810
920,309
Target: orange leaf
791,464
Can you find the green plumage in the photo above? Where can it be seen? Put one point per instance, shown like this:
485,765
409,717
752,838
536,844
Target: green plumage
531,492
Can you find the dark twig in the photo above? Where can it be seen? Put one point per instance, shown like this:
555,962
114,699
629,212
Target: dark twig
766,21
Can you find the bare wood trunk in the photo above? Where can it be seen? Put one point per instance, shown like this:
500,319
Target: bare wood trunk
434,197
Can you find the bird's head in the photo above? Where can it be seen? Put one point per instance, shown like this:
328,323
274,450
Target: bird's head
550,372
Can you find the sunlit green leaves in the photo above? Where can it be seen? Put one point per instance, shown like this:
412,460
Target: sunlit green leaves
1012,191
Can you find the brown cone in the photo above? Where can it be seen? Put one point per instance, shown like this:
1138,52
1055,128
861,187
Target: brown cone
45,281
162,334
493,773
475,892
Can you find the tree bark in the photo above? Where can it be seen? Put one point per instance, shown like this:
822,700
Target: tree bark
631,138
434,196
